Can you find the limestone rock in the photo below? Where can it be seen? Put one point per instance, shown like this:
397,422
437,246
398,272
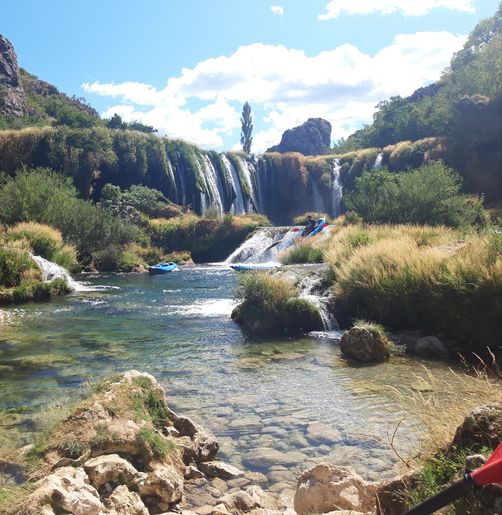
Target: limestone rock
431,347
220,509
192,472
311,138
12,96
164,482
482,427
66,489
319,433
220,469
359,344
122,500
109,468
327,487
474,461
390,494
261,498
238,501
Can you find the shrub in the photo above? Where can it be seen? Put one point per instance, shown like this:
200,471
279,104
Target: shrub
304,252
428,195
271,305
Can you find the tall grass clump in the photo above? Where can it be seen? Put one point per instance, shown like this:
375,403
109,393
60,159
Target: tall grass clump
439,456
271,306
453,289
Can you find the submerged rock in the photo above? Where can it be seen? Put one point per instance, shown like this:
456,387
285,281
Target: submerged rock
431,347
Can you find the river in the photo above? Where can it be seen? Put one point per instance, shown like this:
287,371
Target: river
297,397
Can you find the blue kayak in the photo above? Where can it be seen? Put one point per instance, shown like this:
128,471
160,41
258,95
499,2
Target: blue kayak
162,268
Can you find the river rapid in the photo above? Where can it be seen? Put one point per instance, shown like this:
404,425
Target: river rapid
276,407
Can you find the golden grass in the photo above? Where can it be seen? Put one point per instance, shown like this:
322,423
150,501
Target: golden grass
29,229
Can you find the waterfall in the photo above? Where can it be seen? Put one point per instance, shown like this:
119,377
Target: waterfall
317,200
214,186
238,204
336,188
378,161
51,271
257,248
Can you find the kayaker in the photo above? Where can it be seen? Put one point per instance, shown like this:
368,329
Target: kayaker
309,227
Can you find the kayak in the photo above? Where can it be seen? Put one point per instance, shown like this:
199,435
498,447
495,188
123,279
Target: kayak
247,268
162,268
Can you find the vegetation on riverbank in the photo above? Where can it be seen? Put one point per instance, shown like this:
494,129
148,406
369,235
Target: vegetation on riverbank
435,279
272,306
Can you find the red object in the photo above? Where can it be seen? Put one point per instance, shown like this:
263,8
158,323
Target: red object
295,229
324,225
491,471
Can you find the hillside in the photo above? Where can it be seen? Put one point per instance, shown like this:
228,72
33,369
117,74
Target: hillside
465,106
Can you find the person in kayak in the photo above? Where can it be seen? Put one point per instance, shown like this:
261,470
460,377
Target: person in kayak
309,227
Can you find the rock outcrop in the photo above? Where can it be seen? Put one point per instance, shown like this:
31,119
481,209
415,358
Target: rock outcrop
360,344
326,488
12,97
311,138
124,451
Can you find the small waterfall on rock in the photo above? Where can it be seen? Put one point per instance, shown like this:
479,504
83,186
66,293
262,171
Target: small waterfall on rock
378,161
317,200
51,271
257,248
336,188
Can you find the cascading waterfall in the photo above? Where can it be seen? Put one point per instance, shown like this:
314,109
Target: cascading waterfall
215,190
237,207
51,271
336,189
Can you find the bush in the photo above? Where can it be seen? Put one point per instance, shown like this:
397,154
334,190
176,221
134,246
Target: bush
304,252
428,195
271,306
45,197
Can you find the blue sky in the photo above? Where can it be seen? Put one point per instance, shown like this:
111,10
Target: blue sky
187,66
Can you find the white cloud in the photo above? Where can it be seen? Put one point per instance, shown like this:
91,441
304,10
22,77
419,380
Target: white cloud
342,85
407,7
277,9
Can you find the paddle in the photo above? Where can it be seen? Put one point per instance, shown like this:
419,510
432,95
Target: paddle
295,229
490,472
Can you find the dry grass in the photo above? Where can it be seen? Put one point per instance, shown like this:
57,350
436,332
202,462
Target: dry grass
30,229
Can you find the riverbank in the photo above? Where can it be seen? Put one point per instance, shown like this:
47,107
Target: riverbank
122,448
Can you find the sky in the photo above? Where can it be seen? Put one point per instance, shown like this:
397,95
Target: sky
187,66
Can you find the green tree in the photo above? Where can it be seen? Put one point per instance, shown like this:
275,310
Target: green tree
429,195
247,128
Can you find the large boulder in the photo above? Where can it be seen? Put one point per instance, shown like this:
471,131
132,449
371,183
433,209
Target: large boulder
360,344
481,428
111,469
327,487
311,138
431,347
122,500
12,96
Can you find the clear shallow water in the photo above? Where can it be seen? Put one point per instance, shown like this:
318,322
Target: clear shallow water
255,396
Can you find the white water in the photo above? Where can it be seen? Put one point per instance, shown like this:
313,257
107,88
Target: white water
378,161
51,271
258,248
213,185
238,204
336,188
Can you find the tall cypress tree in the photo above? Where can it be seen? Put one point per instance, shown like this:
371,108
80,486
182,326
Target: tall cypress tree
247,128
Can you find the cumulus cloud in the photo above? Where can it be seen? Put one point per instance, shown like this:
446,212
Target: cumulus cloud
284,85
407,7
277,9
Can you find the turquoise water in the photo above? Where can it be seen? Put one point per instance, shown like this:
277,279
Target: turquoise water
257,397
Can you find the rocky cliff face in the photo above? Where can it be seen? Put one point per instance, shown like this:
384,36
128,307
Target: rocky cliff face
311,138
12,96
